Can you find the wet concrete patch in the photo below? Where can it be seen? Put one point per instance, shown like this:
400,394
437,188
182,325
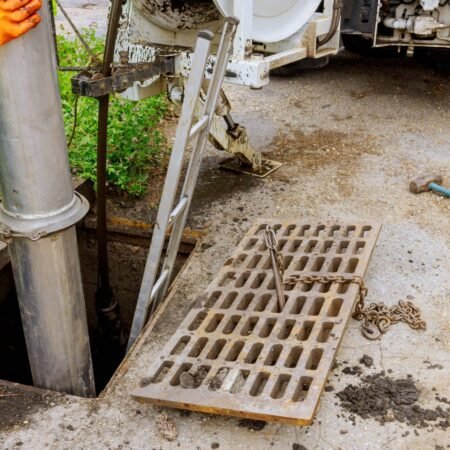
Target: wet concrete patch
217,186
306,154
18,403
321,147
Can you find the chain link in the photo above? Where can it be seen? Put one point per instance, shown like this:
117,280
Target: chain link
377,317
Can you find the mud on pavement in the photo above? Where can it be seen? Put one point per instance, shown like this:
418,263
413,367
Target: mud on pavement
386,399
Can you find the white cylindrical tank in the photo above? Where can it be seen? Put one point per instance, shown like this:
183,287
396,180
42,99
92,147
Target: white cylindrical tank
273,21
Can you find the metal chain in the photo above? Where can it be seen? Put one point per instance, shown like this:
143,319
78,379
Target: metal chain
377,317
383,316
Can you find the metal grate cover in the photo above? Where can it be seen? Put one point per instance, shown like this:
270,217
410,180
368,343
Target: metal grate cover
244,357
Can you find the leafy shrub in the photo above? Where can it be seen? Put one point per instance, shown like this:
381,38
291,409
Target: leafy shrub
134,142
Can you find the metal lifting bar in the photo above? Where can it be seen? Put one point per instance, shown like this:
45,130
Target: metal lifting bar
153,290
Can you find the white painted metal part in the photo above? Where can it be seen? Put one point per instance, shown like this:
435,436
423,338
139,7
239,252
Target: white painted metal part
417,24
270,34
429,5
276,20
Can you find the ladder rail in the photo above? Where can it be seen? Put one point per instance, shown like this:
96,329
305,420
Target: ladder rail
225,48
193,88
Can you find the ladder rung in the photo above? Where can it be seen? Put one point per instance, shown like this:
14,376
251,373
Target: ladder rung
159,283
178,209
199,126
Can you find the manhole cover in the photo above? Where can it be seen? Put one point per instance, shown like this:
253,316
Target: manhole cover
236,354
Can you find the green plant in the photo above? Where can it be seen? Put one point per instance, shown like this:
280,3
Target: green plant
134,142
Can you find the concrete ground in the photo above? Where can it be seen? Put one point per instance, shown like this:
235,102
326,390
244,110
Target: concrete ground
352,135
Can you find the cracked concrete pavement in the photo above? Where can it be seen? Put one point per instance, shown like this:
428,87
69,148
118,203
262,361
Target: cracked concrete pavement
352,135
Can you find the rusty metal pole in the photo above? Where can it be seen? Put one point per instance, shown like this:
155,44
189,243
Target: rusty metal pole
38,212
111,338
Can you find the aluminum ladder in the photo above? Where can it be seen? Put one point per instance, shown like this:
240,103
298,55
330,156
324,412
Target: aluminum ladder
154,289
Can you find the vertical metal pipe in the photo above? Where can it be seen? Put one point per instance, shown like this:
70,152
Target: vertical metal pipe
38,201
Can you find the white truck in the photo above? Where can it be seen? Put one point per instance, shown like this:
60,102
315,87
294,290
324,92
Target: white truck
277,33
281,35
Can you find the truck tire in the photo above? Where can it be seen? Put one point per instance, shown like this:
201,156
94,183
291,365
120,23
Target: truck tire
435,58
299,66
363,47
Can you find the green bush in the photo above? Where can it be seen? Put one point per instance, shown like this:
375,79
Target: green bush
134,143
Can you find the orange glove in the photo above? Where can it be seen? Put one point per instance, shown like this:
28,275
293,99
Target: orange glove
17,17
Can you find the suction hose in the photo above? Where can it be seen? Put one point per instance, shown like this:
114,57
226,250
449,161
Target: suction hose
337,11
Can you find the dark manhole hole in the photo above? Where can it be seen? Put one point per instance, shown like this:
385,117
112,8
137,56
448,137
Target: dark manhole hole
128,248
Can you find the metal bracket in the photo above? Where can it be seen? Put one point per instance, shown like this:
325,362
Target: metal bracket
226,134
35,227
87,84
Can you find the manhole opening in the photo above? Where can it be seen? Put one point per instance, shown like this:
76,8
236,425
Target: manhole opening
128,250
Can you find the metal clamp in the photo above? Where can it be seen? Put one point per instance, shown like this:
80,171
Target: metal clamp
7,235
35,228
87,84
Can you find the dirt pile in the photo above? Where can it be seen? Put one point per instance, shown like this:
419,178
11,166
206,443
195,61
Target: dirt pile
385,400
252,425
366,360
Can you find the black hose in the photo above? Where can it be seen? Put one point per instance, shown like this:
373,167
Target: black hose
337,11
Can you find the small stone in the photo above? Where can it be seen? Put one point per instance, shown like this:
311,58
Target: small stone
296,446
215,445
366,360
355,370
187,380
343,431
